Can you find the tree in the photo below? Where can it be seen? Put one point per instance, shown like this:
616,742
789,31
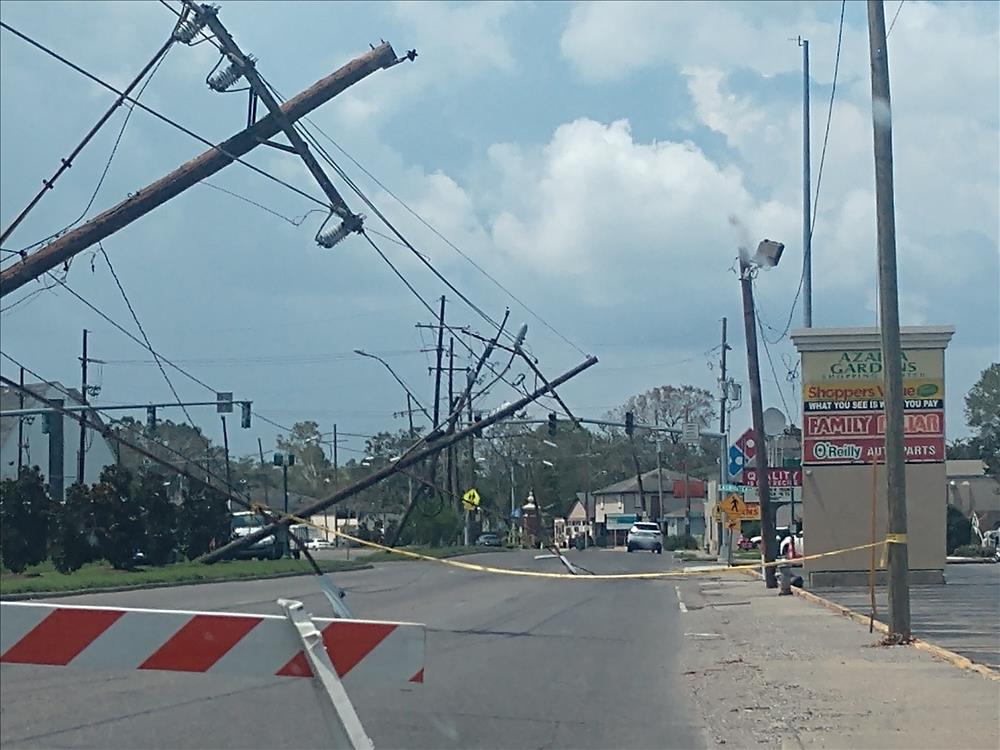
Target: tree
312,472
24,520
982,412
117,516
204,521
72,537
671,406
159,517
174,442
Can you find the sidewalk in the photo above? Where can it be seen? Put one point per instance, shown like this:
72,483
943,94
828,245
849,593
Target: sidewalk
784,672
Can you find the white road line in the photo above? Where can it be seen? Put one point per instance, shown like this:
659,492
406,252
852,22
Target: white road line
680,602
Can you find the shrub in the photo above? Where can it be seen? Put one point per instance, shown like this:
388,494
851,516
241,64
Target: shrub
24,520
159,517
117,516
680,541
72,539
204,522
958,530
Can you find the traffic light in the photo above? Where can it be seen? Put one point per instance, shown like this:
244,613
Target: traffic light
629,423
552,424
278,460
151,418
245,422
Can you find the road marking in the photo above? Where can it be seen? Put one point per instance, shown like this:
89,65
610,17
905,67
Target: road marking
680,602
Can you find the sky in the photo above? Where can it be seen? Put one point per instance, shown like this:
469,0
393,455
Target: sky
586,157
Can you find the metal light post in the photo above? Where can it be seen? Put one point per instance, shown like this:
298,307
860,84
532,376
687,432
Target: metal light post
362,353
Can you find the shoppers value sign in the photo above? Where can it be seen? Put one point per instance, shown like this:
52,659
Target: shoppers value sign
844,410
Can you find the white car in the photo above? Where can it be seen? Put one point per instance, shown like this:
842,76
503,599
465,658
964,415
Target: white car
319,544
791,551
645,535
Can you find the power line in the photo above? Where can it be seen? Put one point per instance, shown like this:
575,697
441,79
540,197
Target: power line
111,157
158,115
774,373
146,346
447,241
819,175
145,338
894,17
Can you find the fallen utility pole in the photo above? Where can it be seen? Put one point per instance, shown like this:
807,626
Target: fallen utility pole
152,196
892,355
408,459
767,540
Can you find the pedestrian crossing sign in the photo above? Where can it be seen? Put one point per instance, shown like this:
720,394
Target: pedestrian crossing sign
470,500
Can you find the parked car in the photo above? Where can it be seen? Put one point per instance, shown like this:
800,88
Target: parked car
489,539
313,544
645,535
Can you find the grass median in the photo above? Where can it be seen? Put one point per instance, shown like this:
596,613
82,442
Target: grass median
45,578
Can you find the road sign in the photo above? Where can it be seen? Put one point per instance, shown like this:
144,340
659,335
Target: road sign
618,522
736,488
732,523
690,433
734,505
471,500
224,401
717,513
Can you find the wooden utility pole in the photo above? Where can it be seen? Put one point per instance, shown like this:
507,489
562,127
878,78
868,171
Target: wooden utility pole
20,425
757,408
81,458
892,362
407,460
263,469
723,383
452,484
437,371
57,469
201,167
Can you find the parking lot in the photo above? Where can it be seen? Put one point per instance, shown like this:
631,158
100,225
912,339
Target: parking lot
963,615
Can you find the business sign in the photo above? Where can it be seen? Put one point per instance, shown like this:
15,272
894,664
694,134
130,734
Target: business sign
618,522
747,443
695,488
844,409
776,477
918,449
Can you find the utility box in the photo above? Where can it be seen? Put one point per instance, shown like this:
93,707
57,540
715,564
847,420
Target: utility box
843,451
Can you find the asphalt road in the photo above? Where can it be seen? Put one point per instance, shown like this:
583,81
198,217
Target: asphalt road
963,615
510,663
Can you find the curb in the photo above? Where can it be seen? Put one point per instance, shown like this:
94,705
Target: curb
30,595
955,659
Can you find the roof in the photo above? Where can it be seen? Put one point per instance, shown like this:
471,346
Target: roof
965,467
650,486
678,509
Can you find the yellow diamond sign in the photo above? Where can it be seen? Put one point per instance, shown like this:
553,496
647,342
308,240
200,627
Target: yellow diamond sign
470,500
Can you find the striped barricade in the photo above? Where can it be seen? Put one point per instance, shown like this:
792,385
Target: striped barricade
214,643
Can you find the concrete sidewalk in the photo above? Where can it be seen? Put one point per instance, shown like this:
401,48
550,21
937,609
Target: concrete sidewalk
784,672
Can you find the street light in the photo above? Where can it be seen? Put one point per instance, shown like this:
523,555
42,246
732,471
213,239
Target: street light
362,353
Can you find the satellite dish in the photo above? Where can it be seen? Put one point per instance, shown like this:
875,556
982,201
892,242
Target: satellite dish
774,422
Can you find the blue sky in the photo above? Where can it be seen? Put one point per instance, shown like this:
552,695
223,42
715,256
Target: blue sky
587,156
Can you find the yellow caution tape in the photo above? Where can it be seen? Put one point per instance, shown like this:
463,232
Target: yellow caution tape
569,576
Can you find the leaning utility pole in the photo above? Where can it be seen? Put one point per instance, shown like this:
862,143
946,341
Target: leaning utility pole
201,167
807,280
452,484
81,458
892,362
757,409
267,478
229,475
472,472
422,450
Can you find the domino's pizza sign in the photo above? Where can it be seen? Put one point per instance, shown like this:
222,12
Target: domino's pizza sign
742,451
